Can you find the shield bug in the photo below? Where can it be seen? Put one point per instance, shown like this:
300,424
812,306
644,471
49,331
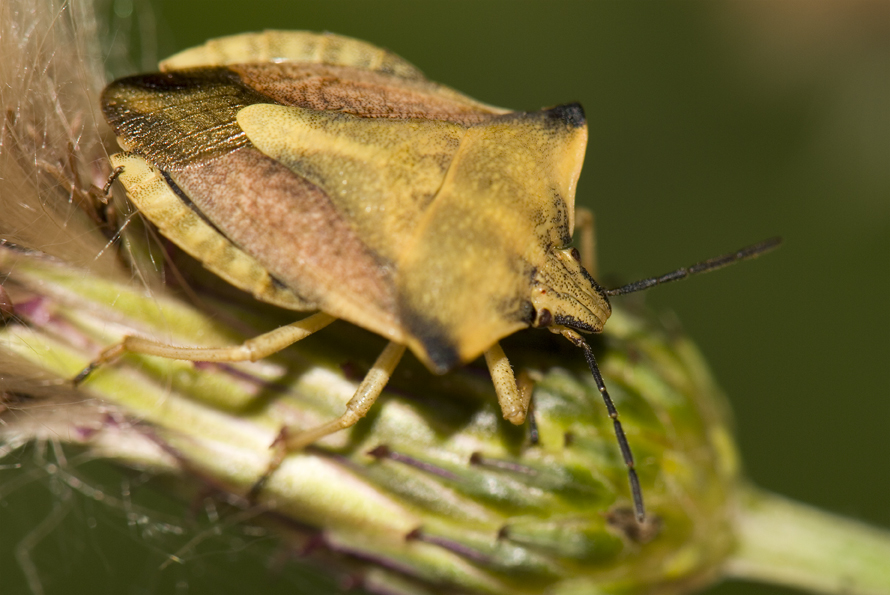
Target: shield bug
319,172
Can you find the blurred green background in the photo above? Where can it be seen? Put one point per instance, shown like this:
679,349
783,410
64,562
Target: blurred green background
712,125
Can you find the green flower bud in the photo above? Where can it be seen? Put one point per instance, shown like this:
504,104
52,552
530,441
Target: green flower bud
433,487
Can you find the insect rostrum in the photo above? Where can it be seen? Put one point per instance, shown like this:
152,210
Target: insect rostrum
321,173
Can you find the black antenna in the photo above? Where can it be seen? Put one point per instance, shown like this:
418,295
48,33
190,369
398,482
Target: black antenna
635,490
712,264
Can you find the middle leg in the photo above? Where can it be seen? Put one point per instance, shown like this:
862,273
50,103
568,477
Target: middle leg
358,406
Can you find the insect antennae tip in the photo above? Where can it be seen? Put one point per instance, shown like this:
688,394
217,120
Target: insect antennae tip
705,266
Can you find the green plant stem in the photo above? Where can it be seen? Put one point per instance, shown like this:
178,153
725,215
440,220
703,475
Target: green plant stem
788,543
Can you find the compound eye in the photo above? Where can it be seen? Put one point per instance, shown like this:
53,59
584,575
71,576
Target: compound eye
575,254
545,318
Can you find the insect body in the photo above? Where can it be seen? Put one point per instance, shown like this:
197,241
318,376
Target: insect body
321,173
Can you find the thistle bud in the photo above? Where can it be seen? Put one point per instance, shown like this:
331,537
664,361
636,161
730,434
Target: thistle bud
434,487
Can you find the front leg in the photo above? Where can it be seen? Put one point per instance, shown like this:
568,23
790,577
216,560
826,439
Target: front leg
513,402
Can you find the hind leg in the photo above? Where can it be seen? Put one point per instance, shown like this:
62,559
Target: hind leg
251,350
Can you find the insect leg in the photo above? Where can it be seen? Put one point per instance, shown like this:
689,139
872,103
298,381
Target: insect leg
526,385
513,402
359,404
585,221
364,398
251,350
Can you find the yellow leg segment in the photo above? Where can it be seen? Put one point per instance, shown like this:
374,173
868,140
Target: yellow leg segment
358,406
251,350
585,222
513,402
